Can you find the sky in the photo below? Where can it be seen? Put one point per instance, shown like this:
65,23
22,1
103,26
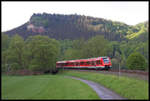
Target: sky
15,13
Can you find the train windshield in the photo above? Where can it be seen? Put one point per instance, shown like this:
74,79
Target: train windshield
106,60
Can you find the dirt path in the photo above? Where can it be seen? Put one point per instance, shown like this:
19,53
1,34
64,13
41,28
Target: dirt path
102,92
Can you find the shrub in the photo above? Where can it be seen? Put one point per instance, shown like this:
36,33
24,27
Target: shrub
136,61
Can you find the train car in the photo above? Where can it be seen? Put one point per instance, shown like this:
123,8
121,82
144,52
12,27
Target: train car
92,63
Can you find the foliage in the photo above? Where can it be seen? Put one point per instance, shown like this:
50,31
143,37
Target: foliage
38,53
95,47
16,52
136,61
39,21
136,34
64,45
75,26
43,53
5,41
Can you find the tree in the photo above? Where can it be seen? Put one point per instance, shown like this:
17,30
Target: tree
143,49
4,61
95,47
64,45
5,45
16,52
5,42
136,61
42,53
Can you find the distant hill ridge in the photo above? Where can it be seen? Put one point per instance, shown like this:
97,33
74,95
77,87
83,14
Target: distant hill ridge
75,26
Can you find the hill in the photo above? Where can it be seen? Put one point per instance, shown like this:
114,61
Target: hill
61,26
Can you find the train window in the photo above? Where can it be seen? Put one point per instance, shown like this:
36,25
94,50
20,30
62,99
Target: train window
72,64
78,64
87,63
65,64
106,60
98,62
90,62
82,63
93,62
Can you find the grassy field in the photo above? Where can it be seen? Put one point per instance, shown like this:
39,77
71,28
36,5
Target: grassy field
127,87
45,87
59,87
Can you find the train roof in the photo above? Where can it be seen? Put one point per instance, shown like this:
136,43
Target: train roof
80,60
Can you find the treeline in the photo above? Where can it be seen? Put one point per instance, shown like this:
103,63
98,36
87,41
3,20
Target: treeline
37,53
120,53
77,26
40,53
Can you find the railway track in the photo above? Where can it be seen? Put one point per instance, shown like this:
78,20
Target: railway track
122,71
143,75
132,71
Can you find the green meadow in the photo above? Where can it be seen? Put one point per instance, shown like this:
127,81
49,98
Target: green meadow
59,87
45,87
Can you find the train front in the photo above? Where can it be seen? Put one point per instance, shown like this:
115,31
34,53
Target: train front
107,63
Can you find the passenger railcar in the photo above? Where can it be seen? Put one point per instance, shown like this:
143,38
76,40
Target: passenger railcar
95,63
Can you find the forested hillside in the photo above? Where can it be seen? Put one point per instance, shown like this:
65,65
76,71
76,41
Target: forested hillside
47,38
76,26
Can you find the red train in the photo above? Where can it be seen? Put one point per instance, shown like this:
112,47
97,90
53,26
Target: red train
92,63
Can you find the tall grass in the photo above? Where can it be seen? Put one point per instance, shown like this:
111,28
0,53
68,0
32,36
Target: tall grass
127,87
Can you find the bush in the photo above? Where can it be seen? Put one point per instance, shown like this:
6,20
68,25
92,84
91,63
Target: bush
136,61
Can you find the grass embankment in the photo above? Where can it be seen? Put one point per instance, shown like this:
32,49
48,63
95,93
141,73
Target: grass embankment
127,87
45,87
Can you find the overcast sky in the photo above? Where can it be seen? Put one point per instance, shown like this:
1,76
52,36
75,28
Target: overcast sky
15,14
